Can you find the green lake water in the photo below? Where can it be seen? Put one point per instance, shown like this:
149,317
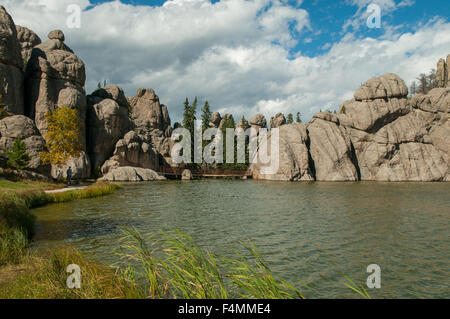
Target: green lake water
316,232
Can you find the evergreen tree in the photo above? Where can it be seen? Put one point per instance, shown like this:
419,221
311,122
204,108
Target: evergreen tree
290,119
298,119
206,116
228,123
186,114
17,156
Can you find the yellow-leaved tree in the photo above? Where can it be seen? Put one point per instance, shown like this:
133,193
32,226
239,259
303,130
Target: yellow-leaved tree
63,136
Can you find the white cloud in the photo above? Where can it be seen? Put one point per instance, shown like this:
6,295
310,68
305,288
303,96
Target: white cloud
234,53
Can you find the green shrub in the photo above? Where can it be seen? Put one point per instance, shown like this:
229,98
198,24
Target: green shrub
17,156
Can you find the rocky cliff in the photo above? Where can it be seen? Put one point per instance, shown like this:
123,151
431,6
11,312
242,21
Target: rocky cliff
379,135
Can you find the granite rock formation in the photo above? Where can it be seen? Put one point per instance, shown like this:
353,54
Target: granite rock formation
132,174
11,65
378,136
20,126
28,40
55,77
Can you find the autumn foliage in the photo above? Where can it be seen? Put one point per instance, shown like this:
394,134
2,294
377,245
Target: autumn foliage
63,136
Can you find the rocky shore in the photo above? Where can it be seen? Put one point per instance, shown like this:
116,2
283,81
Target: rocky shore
379,135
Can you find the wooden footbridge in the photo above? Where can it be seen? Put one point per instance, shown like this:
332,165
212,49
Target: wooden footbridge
176,172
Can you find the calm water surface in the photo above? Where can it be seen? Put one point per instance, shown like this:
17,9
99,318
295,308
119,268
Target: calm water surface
316,232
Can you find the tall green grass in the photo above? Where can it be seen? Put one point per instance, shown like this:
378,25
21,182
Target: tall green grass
17,222
173,266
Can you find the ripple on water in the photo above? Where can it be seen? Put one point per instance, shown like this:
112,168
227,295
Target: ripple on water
316,232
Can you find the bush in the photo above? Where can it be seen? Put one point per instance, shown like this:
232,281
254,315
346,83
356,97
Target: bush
17,156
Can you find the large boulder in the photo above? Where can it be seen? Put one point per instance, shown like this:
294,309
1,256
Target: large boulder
394,139
277,120
11,65
133,150
331,149
55,77
132,174
258,121
215,121
107,123
294,162
20,126
28,40
186,175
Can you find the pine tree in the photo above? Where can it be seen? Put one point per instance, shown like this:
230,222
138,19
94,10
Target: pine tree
290,119
186,114
206,116
298,119
17,156
413,88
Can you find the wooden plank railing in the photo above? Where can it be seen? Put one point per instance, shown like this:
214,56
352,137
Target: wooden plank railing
205,171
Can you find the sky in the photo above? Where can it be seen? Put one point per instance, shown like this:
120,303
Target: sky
246,56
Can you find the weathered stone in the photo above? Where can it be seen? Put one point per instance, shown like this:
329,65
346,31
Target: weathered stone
371,115
215,120
28,40
331,150
294,162
133,150
386,86
55,77
186,175
116,93
11,65
258,121
277,120
132,174
441,74
19,126
56,35
107,123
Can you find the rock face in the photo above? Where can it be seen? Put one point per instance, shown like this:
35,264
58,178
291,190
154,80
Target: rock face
331,149
442,73
187,175
277,120
377,136
55,77
132,174
11,65
28,40
215,120
107,122
152,120
133,150
294,158
20,126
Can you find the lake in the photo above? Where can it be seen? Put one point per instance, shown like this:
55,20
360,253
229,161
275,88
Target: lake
316,232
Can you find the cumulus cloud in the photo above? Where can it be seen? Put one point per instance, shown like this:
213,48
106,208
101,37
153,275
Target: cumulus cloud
236,54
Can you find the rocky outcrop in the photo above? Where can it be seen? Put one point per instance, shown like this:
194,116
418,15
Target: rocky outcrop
132,174
294,161
11,66
152,120
133,150
216,119
55,77
258,121
331,149
377,136
391,139
28,40
20,126
277,120
442,73
107,121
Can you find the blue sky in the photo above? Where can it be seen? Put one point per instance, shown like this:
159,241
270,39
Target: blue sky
246,56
